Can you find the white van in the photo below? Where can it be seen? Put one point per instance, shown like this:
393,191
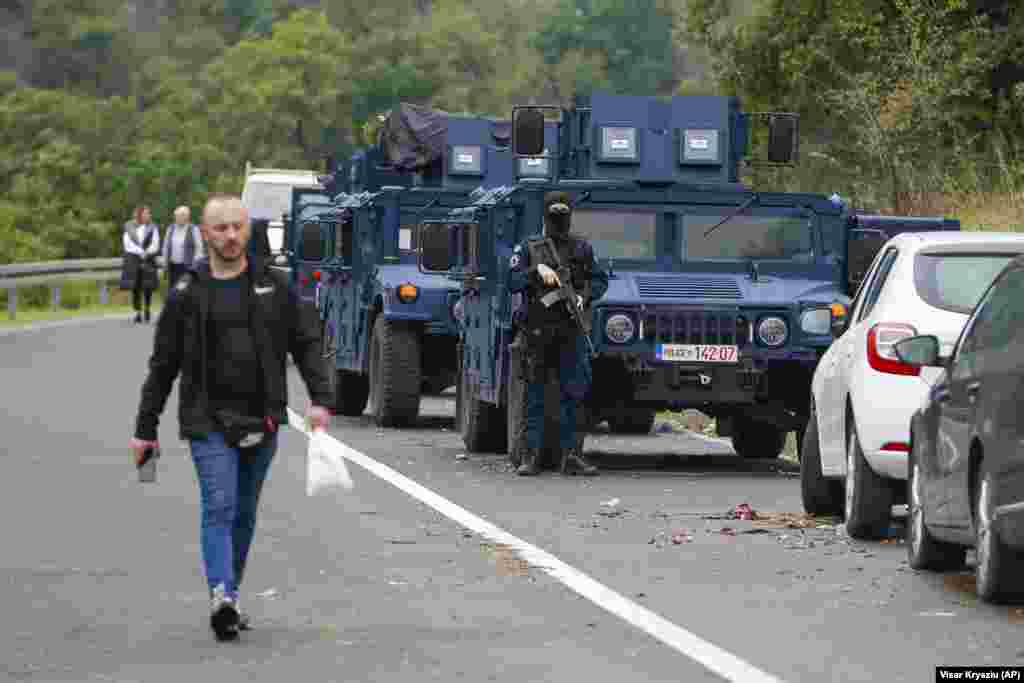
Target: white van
267,195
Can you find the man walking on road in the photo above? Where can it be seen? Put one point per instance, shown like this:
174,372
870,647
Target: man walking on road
552,340
227,327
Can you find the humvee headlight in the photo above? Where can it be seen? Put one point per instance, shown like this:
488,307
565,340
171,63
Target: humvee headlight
407,293
620,328
816,321
772,331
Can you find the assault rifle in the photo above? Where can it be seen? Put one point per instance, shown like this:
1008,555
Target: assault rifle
544,251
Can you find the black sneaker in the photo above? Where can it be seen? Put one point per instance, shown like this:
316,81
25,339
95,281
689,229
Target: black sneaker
224,618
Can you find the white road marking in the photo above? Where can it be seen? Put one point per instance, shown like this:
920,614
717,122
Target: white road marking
70,322
725,664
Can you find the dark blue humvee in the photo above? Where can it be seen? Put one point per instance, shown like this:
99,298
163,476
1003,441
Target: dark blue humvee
721,298
388,327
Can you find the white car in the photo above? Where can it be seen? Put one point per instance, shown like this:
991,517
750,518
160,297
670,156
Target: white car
855,448
267,195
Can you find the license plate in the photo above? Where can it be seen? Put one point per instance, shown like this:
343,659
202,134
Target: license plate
697,353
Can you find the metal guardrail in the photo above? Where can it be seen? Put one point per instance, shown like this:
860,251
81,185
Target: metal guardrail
55,273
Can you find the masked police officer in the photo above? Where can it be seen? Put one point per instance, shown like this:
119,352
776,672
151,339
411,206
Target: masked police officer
552,340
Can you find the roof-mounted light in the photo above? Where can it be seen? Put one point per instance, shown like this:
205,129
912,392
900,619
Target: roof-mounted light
618,144
466,160
700,147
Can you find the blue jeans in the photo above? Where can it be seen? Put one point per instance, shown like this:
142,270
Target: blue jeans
573,362
230,481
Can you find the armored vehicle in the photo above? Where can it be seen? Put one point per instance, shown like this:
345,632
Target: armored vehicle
388,327
722,298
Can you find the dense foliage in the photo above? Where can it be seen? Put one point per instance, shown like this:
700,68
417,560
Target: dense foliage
897,96
107,104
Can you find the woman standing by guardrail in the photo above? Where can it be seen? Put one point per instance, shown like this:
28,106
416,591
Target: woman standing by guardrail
139,273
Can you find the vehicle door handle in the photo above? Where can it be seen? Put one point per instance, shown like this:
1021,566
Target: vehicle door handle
972,390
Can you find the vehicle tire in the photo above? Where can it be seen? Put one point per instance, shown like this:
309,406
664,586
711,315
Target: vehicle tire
482,430
351,392
868,500
821,496
757,440
395,373
999,569
924,551
458,389
632,420
516,408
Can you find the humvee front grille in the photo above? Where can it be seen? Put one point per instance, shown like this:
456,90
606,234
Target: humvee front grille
695,327
685,287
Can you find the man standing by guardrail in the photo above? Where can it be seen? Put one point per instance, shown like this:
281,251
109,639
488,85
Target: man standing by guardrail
227,327
183,245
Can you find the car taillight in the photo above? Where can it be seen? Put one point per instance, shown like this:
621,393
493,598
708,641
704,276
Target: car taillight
882,339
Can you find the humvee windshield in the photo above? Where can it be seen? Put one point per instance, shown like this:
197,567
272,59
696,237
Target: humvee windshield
618,234
751,235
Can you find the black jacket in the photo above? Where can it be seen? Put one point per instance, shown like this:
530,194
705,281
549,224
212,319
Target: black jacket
181,346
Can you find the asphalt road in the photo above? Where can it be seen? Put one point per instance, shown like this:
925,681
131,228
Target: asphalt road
101,577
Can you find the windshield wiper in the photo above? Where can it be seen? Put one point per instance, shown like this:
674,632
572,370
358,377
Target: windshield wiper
742,207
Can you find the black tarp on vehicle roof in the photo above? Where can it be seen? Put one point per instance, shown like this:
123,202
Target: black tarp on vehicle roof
414,137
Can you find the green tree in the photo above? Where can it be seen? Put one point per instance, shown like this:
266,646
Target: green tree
624,47
277,100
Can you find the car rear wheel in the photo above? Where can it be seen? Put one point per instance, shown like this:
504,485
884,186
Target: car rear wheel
924,551
820,496
868,504
999,571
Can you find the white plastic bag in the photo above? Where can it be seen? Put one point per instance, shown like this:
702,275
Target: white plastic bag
325,468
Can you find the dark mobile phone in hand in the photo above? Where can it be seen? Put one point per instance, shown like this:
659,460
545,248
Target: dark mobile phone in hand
147,470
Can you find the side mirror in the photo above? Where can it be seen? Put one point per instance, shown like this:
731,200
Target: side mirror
528,131
922,350
783,138
311,242
434,251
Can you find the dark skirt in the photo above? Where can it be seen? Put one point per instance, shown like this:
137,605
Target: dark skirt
138,273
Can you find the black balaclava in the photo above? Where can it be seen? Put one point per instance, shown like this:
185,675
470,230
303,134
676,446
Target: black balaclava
557,215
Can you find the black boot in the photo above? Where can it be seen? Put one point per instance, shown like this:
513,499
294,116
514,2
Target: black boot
573,462
530,467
